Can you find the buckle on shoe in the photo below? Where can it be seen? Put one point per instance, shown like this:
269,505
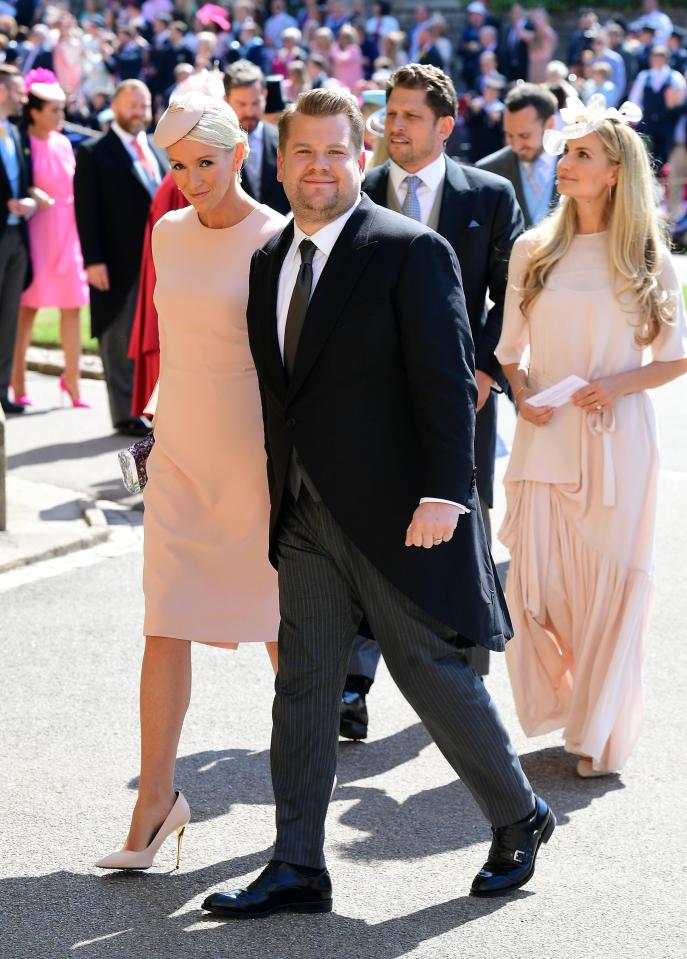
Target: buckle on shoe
519,855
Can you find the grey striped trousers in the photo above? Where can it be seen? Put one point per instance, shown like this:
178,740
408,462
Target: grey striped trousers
325,585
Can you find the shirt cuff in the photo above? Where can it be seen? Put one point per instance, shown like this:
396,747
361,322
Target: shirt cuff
433,499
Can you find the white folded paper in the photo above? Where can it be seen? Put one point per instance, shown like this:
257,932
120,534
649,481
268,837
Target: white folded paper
558,394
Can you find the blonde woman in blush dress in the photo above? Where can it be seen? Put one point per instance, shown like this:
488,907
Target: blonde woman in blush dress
592,291
206,575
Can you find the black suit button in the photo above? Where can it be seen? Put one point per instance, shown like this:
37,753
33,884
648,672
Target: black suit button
291,423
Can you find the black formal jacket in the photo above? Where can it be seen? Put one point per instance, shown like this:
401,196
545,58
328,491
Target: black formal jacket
112,204
481,219
505,163
381,407
272,192
21,144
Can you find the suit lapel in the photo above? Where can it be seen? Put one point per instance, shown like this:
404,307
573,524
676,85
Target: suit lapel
516,180
272,261
346,262
376,184
456,202
124,157
268,172
160,157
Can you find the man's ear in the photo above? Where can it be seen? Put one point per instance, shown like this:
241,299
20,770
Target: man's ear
280,165
446,125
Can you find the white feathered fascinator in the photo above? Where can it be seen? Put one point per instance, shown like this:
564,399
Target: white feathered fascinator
580,118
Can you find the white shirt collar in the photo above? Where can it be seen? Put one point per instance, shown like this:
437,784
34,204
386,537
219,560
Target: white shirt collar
325,238
544,161
431,175
127,138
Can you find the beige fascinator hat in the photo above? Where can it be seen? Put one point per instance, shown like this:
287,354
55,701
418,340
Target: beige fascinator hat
49,92
197,116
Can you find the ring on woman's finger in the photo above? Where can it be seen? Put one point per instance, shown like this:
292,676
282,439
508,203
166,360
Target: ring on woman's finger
599,406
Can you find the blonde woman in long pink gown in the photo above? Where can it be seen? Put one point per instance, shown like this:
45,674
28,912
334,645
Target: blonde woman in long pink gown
206,578
59,279
592,291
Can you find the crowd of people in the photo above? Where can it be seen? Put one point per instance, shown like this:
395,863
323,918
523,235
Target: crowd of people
345,295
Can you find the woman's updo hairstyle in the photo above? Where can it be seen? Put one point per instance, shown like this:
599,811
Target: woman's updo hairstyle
208,120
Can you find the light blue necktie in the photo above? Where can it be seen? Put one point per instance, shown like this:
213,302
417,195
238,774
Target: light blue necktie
411,204
253,165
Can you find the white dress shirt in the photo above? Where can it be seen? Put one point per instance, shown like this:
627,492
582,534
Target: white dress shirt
128,140
324,240
656,79
432,176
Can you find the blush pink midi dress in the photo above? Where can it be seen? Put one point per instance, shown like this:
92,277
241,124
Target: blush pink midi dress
581,505
206,575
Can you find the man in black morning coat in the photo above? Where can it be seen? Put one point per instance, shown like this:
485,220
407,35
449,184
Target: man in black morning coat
362,346
117,176
479,216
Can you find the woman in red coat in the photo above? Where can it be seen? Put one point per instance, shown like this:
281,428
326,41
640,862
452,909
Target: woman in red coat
144,346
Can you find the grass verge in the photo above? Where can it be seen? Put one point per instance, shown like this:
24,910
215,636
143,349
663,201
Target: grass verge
46,329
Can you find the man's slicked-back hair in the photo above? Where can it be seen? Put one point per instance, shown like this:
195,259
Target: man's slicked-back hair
242,73
438,86
531,95
324,103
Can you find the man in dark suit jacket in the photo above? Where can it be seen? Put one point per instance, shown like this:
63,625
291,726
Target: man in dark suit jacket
244,86
479,216
15,207
529,110
362,346
117,175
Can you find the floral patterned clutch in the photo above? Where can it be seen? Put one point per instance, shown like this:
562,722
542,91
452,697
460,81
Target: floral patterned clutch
133,463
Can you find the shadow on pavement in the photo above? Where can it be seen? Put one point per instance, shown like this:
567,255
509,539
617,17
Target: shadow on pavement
215,780
130,915
127,915
67,451
447,818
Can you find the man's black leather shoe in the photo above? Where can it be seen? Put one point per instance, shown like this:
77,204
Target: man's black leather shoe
136,426
10,408
513,853
279,886
353,715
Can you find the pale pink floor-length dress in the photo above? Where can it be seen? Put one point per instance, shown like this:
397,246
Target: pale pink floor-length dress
206,574
581,503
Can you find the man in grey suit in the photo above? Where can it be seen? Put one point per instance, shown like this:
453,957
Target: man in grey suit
362,346
530,109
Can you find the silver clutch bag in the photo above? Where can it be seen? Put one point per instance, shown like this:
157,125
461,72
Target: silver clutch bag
133,463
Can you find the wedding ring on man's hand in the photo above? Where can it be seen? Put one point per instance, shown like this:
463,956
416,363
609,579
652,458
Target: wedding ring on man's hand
599,406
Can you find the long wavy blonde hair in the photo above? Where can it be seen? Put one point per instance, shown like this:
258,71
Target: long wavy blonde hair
635,240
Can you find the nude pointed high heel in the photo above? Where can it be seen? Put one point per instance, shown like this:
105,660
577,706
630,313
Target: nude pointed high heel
177,820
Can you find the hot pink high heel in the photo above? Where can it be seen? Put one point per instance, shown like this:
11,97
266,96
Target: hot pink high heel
23,400
76,402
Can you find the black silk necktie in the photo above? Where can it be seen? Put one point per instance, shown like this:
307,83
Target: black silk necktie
299,304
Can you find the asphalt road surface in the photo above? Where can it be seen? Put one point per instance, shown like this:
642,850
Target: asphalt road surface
404,837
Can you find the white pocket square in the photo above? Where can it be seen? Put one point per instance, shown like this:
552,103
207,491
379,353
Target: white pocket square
473,223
